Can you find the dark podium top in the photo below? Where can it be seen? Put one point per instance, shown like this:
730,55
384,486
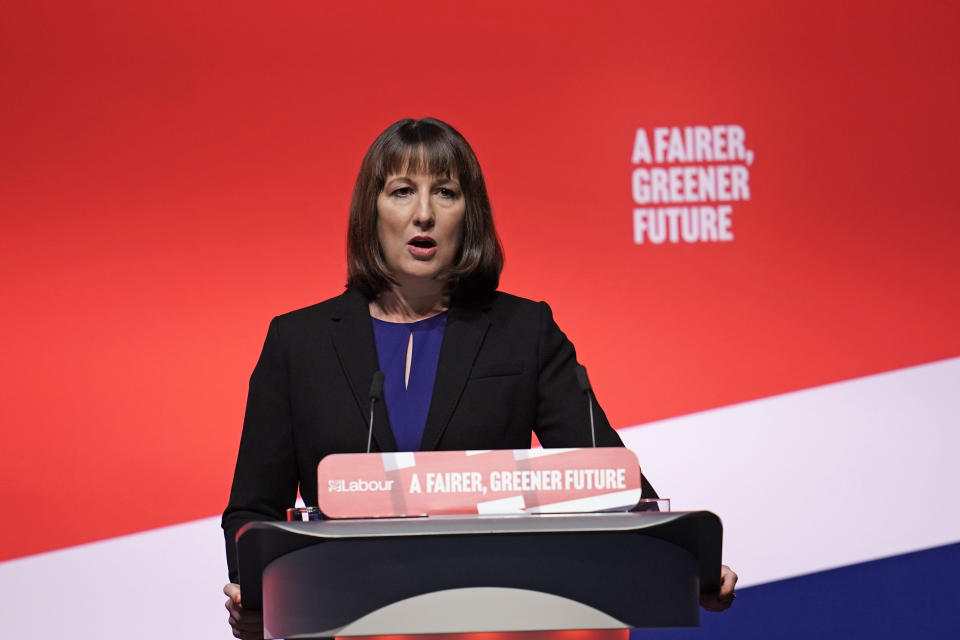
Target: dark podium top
453,574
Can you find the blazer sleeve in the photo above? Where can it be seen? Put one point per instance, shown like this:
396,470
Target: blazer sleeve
562,413
266,477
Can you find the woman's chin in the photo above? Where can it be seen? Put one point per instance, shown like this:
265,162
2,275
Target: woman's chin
424,276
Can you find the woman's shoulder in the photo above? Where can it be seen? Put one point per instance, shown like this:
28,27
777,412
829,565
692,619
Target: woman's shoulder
500,304
346,305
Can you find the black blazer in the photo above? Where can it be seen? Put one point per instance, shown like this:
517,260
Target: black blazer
505,370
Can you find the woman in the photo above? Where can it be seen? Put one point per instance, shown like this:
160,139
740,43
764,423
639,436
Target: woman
465,366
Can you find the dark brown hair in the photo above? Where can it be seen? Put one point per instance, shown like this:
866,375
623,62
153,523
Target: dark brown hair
435,148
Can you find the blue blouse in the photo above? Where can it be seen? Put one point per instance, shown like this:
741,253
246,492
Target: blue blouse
407,405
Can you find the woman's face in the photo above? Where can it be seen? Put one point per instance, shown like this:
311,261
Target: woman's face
420,224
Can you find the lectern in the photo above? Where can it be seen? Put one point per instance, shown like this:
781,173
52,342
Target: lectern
457,574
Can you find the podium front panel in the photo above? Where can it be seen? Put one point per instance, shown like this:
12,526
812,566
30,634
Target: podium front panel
328,589
469,574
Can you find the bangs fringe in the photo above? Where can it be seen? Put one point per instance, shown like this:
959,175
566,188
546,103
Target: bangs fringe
417,151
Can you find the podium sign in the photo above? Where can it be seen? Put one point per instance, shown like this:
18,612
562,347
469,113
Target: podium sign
493,482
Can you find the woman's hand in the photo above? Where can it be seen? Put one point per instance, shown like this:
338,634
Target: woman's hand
723,598
247,625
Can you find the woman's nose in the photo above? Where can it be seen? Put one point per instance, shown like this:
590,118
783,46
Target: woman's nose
424,216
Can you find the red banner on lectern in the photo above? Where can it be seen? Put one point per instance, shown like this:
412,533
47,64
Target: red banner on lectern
384,485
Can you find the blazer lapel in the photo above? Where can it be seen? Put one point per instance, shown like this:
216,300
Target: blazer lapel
462,337
356,350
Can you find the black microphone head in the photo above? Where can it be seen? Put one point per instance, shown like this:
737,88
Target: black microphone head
376,386
582,378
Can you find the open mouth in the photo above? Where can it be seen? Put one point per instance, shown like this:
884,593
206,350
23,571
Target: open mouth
422,247
423,242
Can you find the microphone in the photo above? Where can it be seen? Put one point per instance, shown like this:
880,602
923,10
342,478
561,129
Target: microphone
584,383
376,393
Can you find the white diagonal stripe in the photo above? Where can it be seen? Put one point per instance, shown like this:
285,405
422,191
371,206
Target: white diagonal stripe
838,474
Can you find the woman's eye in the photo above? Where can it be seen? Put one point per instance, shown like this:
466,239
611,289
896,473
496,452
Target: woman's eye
447,193
402,192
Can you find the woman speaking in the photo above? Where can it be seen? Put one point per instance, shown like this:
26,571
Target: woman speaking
465,366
